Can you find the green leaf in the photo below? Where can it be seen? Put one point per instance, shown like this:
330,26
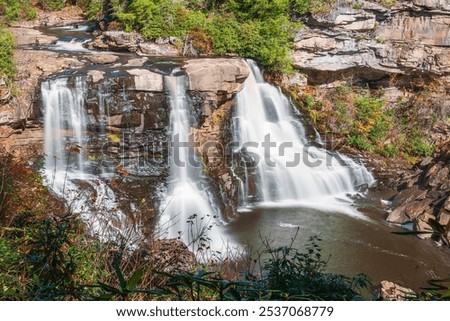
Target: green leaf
446,295
135,279
109,288
234,294
122,282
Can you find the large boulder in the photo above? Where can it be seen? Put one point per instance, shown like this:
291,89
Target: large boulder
216,75
146,80
103,59
390,291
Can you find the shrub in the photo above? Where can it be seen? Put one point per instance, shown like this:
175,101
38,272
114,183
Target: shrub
7,64
372,122
294,275
390,150
92,8
53,5
12,10
260,30
360,142
420,147
301,7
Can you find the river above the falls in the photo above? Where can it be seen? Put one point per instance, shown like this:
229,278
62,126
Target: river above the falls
353,241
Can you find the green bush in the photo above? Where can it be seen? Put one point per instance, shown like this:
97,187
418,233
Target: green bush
420,147
294,275
246,10
92,8
301,7
360,142
53,5
7,64
12,10
47,259
390,150
371,123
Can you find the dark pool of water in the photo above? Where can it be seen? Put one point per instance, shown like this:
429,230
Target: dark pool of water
354,245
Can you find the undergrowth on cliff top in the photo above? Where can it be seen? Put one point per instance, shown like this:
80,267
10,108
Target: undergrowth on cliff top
262,30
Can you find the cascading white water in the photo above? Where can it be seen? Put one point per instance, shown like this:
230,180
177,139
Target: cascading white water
286,168
65,142
187,211
65,127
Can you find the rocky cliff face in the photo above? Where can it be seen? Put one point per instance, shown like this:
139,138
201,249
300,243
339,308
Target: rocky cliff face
366,40
369,42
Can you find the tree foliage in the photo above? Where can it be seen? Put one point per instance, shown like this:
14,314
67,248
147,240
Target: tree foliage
12,10
7,64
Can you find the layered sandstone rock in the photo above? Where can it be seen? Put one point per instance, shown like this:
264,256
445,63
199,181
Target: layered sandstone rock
370,42
134,42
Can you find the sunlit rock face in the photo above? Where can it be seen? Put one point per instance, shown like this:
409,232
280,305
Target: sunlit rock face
370,42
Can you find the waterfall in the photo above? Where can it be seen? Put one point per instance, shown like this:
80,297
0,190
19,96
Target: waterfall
65,127
66,167
282,167
187,210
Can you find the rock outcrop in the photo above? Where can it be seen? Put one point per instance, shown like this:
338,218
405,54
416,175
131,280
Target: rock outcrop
215,80
404,52
212,86
389,291
134,42
424,197
19,126
366,41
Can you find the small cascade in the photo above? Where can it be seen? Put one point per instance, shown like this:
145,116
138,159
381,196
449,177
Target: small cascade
282,167
71,38
187,211
66,167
